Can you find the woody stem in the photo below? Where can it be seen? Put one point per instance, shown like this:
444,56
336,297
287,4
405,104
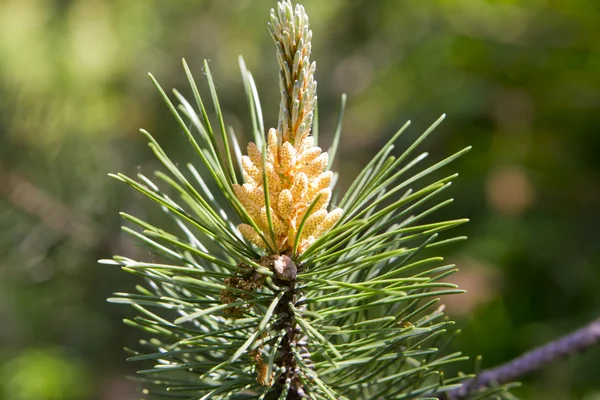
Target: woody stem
574,342
293,340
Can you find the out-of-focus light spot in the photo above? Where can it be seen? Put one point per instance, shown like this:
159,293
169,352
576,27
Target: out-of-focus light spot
25,57
92,41
481,281
509,190
44,374
592,396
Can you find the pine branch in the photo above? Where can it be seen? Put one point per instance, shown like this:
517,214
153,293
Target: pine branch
280,292
533,360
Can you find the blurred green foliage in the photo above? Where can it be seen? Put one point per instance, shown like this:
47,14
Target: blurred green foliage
44,375
520,81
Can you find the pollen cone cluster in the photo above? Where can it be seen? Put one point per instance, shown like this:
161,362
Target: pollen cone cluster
294,168
296,177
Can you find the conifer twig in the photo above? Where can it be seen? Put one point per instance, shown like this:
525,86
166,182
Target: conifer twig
302,299
533,360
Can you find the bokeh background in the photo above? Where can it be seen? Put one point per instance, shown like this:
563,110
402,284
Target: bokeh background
519,80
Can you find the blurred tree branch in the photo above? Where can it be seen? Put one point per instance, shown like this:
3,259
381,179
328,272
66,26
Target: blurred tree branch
51,211
533,360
